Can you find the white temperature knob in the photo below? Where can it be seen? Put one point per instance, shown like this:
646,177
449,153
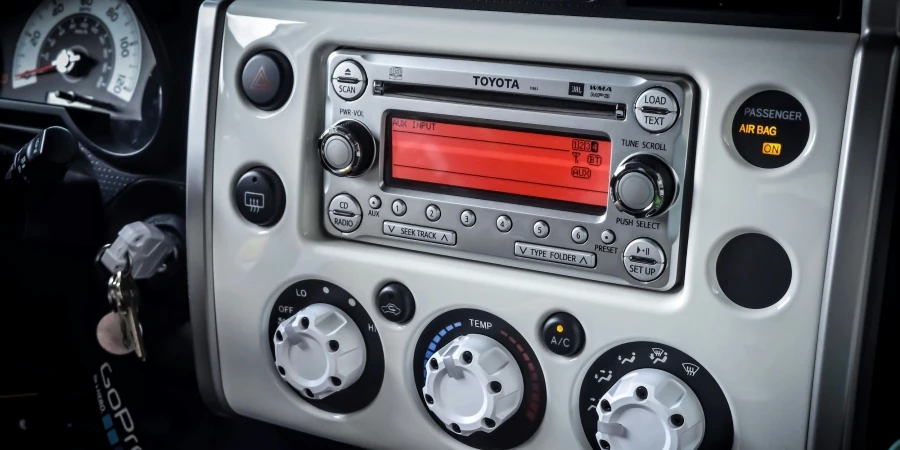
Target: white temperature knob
473,384
319,351
649,409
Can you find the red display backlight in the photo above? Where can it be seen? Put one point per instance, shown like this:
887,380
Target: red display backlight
526,163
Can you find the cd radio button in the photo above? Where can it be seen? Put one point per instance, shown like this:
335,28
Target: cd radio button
644,259
348,80
418,233
579,235
343,222
398,207
433,213
656,110
555,254
467,218
504,223
541,229
345,203
344,213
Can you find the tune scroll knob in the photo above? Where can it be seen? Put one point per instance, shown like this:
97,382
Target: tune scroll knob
473,384
319,351
347,149
643,186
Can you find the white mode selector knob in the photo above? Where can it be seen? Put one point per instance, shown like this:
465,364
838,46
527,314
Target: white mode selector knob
649,409
319,351
473,384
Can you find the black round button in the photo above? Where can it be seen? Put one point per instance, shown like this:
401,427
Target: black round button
563,334
259,196
396,303
770,129
754,271
267,79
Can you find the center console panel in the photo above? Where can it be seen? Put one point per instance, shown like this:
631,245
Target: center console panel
440,228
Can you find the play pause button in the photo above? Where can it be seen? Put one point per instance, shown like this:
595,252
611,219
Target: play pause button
266,80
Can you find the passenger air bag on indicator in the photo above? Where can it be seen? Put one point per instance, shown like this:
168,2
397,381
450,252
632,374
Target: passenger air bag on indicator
551,166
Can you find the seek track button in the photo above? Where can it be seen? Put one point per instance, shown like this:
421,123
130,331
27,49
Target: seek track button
418,233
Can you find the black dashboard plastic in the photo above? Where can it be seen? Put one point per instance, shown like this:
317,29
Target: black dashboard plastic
824,15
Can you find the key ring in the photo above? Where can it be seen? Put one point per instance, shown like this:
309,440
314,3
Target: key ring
126,267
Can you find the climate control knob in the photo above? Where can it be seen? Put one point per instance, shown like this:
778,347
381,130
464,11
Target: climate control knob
319,351
473,384
650,409
347,149
643,186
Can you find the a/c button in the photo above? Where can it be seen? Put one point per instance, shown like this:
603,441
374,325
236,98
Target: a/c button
563,334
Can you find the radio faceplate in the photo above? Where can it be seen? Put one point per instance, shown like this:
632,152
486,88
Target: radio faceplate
608,243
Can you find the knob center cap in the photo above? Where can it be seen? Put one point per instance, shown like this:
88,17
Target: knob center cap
650,409
473,384
319,351
338,152
636,191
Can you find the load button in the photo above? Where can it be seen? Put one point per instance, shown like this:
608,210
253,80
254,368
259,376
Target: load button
656,110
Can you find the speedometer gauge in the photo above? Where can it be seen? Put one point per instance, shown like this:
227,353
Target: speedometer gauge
94,65
86,51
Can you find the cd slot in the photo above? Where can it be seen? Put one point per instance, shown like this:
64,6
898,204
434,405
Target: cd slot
501,100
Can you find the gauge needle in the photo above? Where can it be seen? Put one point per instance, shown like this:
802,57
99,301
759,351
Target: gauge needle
37,71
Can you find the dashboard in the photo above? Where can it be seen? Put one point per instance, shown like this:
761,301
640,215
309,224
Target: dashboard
618,235
101,68
459,224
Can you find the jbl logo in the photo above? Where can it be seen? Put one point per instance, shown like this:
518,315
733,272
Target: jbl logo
576,89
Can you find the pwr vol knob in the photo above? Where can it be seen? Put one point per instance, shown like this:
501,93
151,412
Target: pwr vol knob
347,149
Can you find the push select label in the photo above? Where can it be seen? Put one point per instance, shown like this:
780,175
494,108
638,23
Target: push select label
770,129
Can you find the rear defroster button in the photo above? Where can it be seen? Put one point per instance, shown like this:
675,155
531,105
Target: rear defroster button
644,260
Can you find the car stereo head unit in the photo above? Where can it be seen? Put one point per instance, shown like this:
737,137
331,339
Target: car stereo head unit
568,171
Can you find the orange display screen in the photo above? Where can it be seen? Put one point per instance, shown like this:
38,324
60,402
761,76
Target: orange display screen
523,163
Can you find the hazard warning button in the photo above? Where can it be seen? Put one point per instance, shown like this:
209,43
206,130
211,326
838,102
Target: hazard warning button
267,79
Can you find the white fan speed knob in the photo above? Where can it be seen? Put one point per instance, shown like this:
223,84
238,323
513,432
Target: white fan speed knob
649,409
473,384
319,351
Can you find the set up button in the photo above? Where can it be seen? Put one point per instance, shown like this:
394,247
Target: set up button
425,234
555,254
644,259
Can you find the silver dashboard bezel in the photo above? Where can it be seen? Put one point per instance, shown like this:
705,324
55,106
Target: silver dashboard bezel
484,242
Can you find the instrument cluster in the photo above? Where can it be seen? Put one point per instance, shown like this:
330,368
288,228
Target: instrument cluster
96,67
